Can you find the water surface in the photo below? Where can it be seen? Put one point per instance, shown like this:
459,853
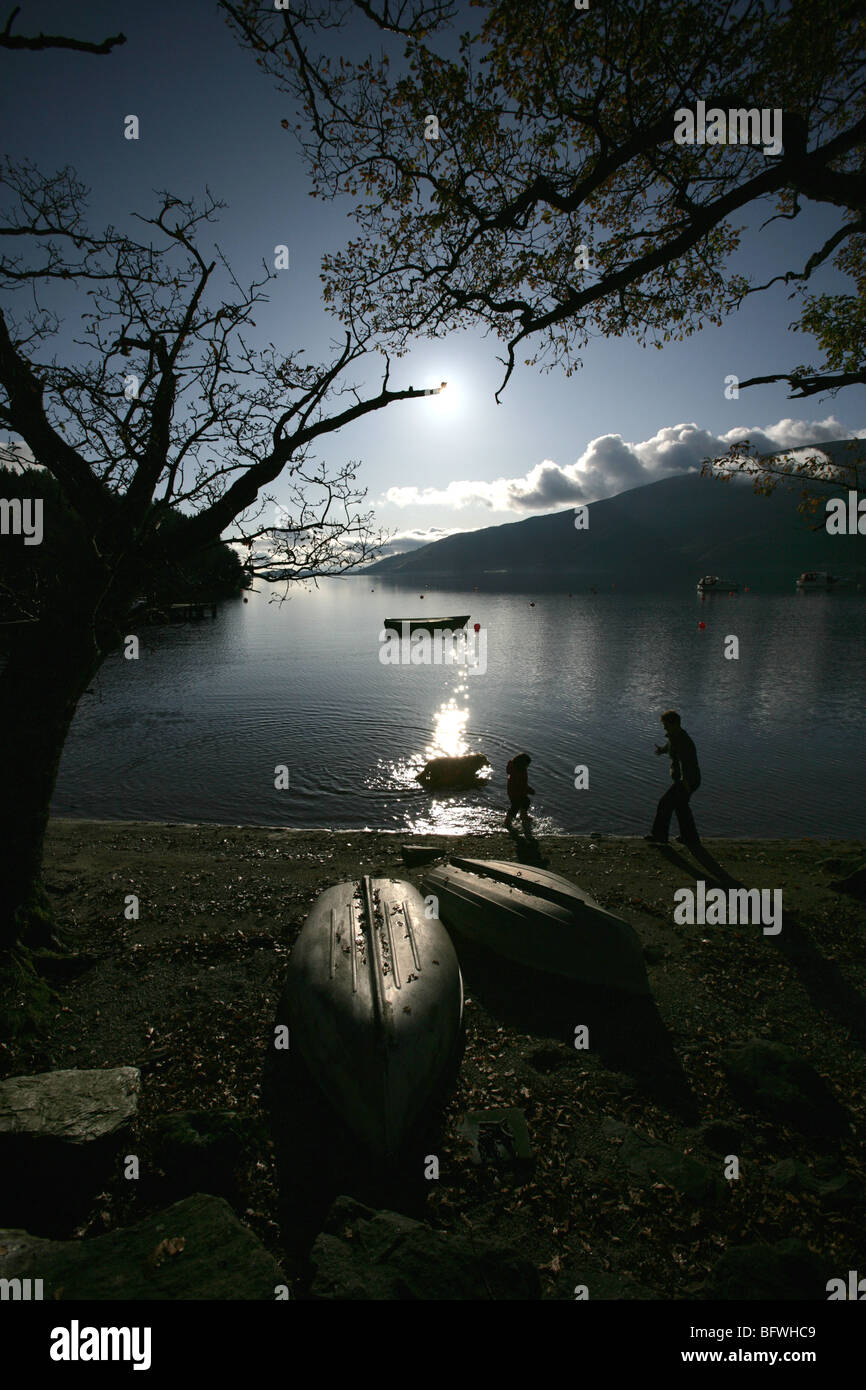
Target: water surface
194,730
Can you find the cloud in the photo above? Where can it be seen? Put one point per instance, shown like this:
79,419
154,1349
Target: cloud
403,541
610,464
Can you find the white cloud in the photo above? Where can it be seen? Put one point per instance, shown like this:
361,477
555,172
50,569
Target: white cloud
610,464
403,541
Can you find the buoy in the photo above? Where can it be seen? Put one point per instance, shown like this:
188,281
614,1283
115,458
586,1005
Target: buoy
701,626
532,605
477,627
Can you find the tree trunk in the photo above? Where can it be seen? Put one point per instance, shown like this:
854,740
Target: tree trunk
44,676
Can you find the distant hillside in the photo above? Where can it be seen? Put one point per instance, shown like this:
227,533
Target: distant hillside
663,534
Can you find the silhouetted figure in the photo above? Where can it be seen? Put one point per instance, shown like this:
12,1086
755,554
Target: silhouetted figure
686,779
519,791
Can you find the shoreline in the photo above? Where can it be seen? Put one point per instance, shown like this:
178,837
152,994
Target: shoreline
409,836
189,991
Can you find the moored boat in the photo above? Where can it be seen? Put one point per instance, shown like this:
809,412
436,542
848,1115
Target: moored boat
712,584
418,624
538,919
818,579
375,1006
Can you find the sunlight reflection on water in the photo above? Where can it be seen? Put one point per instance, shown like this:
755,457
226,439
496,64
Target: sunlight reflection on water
443,811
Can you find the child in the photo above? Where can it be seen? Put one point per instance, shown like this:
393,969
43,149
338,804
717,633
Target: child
519,790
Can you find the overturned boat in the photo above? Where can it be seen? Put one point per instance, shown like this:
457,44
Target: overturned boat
538,919
375,1007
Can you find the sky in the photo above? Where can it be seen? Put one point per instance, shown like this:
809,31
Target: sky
210,118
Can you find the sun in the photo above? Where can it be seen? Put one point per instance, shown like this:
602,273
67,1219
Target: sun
446,403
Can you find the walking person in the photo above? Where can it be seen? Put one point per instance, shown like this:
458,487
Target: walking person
519,791
686,779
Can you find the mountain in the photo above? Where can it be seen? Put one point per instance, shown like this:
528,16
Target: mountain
656,536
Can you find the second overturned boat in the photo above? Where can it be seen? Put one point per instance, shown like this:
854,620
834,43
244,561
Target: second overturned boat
375,1006
538,919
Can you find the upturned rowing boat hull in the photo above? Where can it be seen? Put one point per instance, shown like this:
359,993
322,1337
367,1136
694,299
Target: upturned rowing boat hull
540,920
375,1006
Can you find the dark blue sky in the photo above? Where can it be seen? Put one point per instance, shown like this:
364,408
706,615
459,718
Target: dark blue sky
210,117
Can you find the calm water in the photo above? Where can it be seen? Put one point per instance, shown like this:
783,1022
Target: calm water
194,729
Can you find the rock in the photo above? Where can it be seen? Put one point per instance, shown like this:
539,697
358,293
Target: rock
653,1160
834,864
457,771
722,1137
843,1190
786,1270
792,1175
196,1249
548,1059
499,1138
854,883
771,1077
77,1107
61,1133
197,1148
367,1254
603,1285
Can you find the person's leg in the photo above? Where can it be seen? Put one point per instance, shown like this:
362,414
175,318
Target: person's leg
511,813
688,829
664,811
524,813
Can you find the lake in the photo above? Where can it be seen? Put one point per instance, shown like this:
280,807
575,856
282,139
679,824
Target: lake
195,728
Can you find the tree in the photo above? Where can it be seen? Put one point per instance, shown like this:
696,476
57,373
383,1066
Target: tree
35,42
526,175
161,427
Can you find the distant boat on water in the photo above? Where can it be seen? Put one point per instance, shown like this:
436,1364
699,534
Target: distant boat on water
417,624
712,584
817,579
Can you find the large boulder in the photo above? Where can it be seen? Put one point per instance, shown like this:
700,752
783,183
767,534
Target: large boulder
196,1249
651,1160
786,1270
61,1133
196,1145
770,1077
853,883
367,1254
